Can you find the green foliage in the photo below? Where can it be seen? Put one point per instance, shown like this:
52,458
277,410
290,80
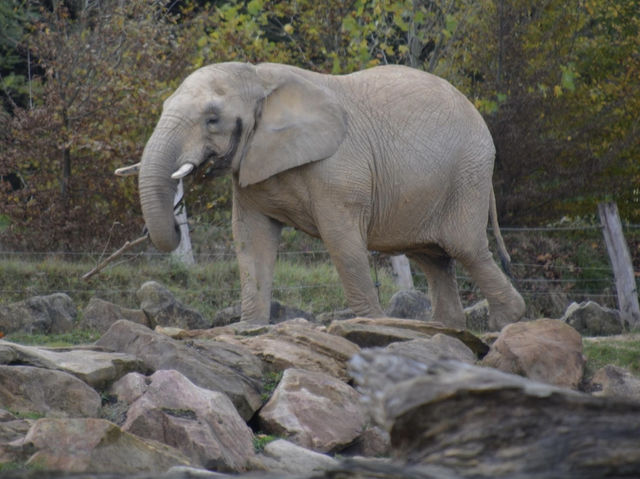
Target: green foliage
261,440
556,82
269,383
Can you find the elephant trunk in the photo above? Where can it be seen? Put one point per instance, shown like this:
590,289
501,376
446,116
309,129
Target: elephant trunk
157,189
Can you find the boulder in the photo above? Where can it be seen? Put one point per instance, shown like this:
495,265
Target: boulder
52,393
52,314
371,332
480,422
438,346
313,410
130,387
409,304
373,442
96,368
201,365
591,319
95,445
12,430
613,381
545,350
477,316
281,456
299,344
327,317
203,424
99,315
162,308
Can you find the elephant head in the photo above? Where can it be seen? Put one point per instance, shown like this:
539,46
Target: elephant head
256,121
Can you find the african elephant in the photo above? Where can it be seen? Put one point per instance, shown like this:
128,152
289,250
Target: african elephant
390,159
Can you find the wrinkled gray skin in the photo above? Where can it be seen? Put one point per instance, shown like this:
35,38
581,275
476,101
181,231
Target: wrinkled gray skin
389,159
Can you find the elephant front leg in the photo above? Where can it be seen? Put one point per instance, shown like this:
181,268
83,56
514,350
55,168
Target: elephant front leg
350,257
256,240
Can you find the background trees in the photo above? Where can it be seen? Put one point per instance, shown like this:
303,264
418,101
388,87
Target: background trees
82,84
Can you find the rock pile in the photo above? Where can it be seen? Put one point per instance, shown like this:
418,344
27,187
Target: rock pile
390,397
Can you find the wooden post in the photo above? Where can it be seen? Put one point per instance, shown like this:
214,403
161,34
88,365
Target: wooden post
183,252
621,263
402,271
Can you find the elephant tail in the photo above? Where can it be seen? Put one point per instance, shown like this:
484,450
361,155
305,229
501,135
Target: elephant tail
505,259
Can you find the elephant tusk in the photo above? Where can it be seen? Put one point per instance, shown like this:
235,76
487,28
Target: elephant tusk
128,170
183,171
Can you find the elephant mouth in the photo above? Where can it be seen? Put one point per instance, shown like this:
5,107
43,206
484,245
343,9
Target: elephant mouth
217,163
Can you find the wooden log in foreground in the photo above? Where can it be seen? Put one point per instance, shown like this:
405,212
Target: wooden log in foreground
480,422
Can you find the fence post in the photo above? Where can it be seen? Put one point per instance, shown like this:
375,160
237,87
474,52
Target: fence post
621,263
183,252
402,271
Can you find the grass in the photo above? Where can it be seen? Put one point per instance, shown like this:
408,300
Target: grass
55,340
308,282
622,351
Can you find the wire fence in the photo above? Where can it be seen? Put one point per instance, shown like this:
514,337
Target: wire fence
551,267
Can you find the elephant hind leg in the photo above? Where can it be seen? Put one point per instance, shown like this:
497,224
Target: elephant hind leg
443,288
505,303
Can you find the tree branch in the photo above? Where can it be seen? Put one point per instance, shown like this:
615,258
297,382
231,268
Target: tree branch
127,246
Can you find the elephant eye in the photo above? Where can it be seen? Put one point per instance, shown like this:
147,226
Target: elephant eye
212,120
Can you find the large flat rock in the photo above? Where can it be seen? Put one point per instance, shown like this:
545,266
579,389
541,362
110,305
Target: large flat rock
96,368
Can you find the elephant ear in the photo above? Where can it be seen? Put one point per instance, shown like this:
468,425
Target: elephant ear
300,122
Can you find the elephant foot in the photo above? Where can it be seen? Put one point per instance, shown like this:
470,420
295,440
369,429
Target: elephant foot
451,320
502,315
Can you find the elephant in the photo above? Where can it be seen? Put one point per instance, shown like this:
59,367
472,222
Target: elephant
389,159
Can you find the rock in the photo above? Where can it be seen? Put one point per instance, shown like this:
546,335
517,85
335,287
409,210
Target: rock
96,445
439,346
371,332
477,316
551,304
545,350
313,410
409,304
99,315
613,381
591,319
53,393
12,429
52,314
298,344
130,387
278,313
228,315
328,317
480,422
96,368
203,424
163,309
201,365
373,442
188,472
288,458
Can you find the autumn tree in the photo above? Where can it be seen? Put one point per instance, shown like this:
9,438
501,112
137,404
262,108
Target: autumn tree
105,70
